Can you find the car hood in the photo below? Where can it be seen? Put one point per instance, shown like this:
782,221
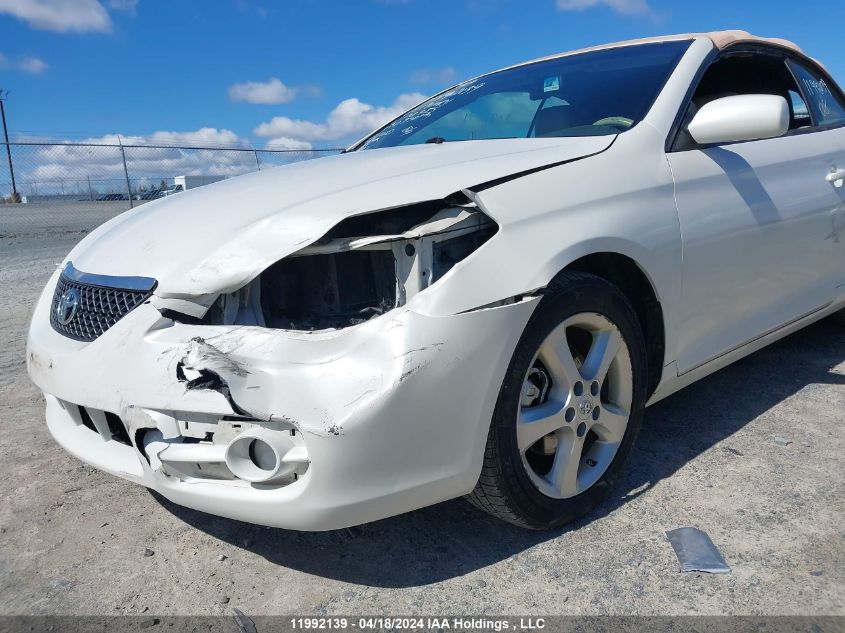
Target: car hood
218,237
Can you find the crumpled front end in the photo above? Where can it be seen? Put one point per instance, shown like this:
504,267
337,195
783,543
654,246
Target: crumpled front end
314,413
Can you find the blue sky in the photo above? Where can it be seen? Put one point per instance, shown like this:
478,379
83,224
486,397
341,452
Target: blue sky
315,72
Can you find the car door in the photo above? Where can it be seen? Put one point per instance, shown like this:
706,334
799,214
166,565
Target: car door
755,217
827,105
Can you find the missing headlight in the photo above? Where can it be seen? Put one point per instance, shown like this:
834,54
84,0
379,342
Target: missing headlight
363,267
328,291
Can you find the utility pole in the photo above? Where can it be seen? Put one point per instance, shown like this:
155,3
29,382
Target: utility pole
3,97
125,172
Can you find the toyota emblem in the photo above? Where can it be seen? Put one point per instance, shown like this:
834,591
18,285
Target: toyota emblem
67,306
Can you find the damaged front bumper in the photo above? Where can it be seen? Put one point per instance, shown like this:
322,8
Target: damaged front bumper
365,422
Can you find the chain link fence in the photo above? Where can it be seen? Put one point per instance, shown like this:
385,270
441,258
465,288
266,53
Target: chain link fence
74,187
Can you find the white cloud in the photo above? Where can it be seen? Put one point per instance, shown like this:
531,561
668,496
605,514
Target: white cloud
204,136
32,65
67,166
73,166
129,6
349,118
272,91
284,142
437,76
60,15
626,7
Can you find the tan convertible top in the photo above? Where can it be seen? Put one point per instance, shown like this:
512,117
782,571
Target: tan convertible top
723,39
720,39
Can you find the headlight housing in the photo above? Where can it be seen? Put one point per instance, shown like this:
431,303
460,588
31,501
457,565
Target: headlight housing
363,267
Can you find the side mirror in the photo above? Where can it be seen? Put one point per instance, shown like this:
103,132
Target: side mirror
740,118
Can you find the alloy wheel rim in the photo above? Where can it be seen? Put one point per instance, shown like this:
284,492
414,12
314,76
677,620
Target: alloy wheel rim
575,405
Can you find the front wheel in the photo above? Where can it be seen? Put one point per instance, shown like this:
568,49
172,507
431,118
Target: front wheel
569,409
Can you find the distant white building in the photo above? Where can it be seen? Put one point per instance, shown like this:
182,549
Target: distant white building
192,182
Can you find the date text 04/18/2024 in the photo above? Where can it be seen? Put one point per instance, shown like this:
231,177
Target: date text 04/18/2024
417,623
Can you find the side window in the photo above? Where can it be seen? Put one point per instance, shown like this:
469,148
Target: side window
745,73
825,101
800,111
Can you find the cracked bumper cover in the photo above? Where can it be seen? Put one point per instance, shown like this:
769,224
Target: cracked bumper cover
394,412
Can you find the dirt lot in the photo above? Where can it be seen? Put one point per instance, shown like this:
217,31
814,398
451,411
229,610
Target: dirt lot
58,219
73,539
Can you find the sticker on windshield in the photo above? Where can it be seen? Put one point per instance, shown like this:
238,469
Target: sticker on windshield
551,84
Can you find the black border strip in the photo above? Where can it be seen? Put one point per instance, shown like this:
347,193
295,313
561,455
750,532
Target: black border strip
234,620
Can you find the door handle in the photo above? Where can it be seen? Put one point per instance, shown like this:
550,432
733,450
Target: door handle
836,176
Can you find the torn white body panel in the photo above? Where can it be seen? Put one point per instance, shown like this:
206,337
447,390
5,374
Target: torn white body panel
361,401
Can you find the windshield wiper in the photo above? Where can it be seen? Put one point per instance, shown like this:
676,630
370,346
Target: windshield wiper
436,140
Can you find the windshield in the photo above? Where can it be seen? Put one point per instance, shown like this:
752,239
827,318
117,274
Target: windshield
587,94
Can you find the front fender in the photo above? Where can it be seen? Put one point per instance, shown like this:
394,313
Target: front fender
621,201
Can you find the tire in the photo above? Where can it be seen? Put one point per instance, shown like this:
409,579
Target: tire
590,315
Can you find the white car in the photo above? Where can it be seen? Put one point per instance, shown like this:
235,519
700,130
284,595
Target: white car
480,298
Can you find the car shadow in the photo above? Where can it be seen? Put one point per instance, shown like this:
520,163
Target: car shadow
453,538
744,179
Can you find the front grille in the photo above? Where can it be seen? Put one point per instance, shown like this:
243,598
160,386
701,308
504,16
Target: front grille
113,428
84,306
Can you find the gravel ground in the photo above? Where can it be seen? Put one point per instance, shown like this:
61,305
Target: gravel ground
77,541
55,220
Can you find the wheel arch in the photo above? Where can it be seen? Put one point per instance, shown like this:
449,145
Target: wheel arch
630,277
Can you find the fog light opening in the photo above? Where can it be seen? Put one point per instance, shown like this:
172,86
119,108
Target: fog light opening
262,455
258,456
